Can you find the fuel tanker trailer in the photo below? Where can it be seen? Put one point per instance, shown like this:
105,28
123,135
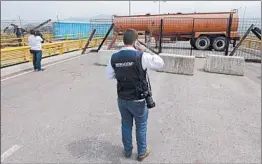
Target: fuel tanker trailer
203,30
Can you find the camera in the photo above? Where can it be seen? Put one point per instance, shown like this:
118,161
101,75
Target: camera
147,95
146,92
38,33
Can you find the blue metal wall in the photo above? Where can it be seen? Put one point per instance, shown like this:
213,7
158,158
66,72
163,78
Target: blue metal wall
61,29
101,29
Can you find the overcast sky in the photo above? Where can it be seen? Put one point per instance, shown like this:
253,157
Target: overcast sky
42,10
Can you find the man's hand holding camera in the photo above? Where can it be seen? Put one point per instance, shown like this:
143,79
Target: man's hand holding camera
140,47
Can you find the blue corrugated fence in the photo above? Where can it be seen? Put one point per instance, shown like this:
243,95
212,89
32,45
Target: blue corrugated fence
72,30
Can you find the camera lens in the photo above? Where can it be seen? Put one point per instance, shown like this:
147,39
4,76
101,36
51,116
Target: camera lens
150,102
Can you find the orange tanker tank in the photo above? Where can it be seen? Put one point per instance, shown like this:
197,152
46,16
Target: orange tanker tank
202,29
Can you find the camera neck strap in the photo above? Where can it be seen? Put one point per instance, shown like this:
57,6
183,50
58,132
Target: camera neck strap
139,57
148,80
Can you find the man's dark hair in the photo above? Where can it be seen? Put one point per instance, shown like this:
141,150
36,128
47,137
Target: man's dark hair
130,36
32,32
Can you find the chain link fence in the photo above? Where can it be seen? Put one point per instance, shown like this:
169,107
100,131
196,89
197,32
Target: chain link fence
176,35
9,37
250,48
7,26
189,36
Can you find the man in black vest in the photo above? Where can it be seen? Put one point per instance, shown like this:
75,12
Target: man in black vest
128,67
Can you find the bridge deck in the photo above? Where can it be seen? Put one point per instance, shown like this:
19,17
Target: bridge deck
68,113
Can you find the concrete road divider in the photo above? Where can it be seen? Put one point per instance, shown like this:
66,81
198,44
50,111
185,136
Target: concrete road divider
231,65
103,56
178,64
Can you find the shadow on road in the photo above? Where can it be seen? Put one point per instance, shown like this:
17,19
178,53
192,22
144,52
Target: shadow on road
222,74
97,64
93,149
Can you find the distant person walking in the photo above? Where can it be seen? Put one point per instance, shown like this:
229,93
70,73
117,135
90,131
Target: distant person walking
35,41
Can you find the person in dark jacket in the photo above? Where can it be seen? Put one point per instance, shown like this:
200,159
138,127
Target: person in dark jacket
19,32
128,67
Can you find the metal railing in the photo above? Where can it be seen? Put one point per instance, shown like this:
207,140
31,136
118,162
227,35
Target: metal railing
13,41
16,55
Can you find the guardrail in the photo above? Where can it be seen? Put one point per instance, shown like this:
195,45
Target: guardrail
9,41
16,55
14,41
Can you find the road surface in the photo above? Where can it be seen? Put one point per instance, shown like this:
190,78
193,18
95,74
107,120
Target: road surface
68,114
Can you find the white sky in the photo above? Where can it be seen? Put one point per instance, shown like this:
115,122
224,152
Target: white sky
42,10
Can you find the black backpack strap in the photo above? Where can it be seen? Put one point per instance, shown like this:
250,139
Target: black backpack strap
139,67
141,73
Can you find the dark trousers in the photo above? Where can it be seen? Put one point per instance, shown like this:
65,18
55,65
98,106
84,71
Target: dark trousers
19,42
37,57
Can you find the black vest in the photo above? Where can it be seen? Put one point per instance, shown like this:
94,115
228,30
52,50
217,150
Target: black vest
129,73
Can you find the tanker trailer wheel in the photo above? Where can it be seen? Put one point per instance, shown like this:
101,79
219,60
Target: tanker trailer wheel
219,43
202,43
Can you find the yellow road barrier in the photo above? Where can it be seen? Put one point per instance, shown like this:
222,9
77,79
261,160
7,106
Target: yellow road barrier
252,43
12,40
16,55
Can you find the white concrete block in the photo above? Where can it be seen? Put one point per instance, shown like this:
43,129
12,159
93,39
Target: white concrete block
178,64
231,65
103,56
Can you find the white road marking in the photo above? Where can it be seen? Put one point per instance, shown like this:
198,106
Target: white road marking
11,77
9,152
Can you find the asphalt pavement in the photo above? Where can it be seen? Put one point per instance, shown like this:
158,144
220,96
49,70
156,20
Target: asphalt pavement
68,114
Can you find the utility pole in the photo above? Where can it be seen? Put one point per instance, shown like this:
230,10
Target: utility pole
237,10
244,13
57,18
20,21
159,5
129,7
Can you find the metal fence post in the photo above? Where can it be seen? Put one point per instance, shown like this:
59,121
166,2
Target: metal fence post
228,33
160,37
108,32
145,36
241,40
61,50
88,41
192,37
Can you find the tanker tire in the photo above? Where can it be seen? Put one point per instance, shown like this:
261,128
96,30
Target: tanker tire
192,43
219,43
202,43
